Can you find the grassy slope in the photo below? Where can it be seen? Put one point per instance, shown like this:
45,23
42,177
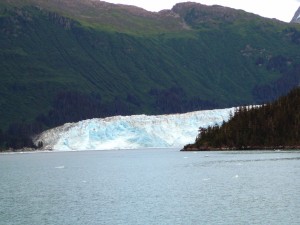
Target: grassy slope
43,53
107,16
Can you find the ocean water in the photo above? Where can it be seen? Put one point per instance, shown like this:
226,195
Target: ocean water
150,186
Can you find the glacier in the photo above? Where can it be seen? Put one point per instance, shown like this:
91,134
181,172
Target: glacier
131,132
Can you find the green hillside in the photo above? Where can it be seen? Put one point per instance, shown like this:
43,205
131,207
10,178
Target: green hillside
272,126
67,60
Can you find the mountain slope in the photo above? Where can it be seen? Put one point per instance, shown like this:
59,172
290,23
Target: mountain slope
272,126
107,16
64,61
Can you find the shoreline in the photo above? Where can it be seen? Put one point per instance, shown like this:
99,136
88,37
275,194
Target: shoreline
33,150
23,150
189,149
248,148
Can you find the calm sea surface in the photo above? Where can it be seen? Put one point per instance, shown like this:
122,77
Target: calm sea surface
161,186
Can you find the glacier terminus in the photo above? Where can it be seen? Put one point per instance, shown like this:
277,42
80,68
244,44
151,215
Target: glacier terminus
131,132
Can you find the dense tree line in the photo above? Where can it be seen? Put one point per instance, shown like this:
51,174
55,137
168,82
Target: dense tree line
73,106
289,79
274,125
175,100
18,135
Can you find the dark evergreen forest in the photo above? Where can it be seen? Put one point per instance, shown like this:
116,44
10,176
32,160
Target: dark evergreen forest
272,126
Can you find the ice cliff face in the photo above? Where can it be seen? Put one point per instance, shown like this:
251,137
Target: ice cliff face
131,132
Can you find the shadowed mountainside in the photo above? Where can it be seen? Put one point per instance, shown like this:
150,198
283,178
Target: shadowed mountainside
272,126
64,61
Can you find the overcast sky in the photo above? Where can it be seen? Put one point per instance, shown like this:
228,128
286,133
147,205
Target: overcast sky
283,10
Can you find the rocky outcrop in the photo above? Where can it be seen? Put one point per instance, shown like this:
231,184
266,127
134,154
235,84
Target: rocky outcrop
196,13
296,18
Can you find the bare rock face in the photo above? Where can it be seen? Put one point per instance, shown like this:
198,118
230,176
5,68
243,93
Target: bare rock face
296,18
196,13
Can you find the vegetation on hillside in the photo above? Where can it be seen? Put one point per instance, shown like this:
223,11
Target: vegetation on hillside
102,15
64,61
272,126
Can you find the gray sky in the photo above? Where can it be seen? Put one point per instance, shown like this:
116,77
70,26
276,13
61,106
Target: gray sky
283,10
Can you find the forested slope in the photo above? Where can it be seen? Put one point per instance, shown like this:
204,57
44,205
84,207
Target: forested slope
272,126
64,61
